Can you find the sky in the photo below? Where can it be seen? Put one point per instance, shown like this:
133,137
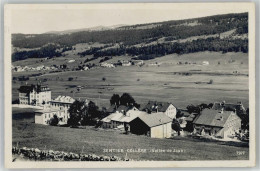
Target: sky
37,19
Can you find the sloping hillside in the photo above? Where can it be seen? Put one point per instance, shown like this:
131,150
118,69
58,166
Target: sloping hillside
221,33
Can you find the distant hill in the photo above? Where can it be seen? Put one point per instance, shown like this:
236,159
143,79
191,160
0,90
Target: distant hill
223,33
97,28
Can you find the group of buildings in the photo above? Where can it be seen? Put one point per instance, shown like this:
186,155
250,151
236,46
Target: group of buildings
122,63
28,68
40,95
153,119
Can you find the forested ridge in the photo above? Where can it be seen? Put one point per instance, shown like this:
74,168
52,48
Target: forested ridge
53,45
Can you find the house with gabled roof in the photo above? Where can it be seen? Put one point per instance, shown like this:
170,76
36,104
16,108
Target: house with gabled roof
217,123
154,125
154,107
117,119
122,109
238,108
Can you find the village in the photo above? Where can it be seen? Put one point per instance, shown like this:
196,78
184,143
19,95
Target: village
81,66
218,120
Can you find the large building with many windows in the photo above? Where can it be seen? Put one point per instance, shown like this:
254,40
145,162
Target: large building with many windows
61,102
45,115
37,95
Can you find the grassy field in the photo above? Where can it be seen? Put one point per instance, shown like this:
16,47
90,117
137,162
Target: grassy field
162,83
91,140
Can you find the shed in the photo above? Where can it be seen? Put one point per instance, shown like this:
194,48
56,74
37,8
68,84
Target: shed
155,125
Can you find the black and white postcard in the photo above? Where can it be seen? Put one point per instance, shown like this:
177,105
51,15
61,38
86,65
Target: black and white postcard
129,85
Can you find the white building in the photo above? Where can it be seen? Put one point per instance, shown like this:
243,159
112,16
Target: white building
126,63
167,108
37,95
61,102
43,116
107,65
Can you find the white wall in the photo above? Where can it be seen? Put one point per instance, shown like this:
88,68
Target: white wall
171,112
161,131
39,119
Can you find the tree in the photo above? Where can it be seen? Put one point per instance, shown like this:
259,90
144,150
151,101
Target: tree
193,109
93,111
54,120
126,99
203,106
76,111
210,105
176,126
115,100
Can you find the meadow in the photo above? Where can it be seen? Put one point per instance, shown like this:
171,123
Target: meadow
96,141
161,79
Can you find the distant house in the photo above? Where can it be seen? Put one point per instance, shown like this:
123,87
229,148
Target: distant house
121,108
62,102
38,95
205,63
155,125
238,108
165,107
126,63
137,62
85,68
107,65
43,116
218,123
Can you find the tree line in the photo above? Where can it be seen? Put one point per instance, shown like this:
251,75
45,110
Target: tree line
161,49
50,51
174,29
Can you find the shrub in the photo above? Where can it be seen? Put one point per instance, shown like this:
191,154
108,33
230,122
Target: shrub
210,81
70,78
54,121
104,79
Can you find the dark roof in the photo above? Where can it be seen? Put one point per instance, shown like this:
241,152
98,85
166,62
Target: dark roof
154,105
30,88
154,119
213,117
120,108
239,108
111,109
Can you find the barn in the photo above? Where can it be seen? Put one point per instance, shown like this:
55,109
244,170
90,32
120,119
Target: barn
218,123
155,125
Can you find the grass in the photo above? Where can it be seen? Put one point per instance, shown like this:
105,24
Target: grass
91,140
158,83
